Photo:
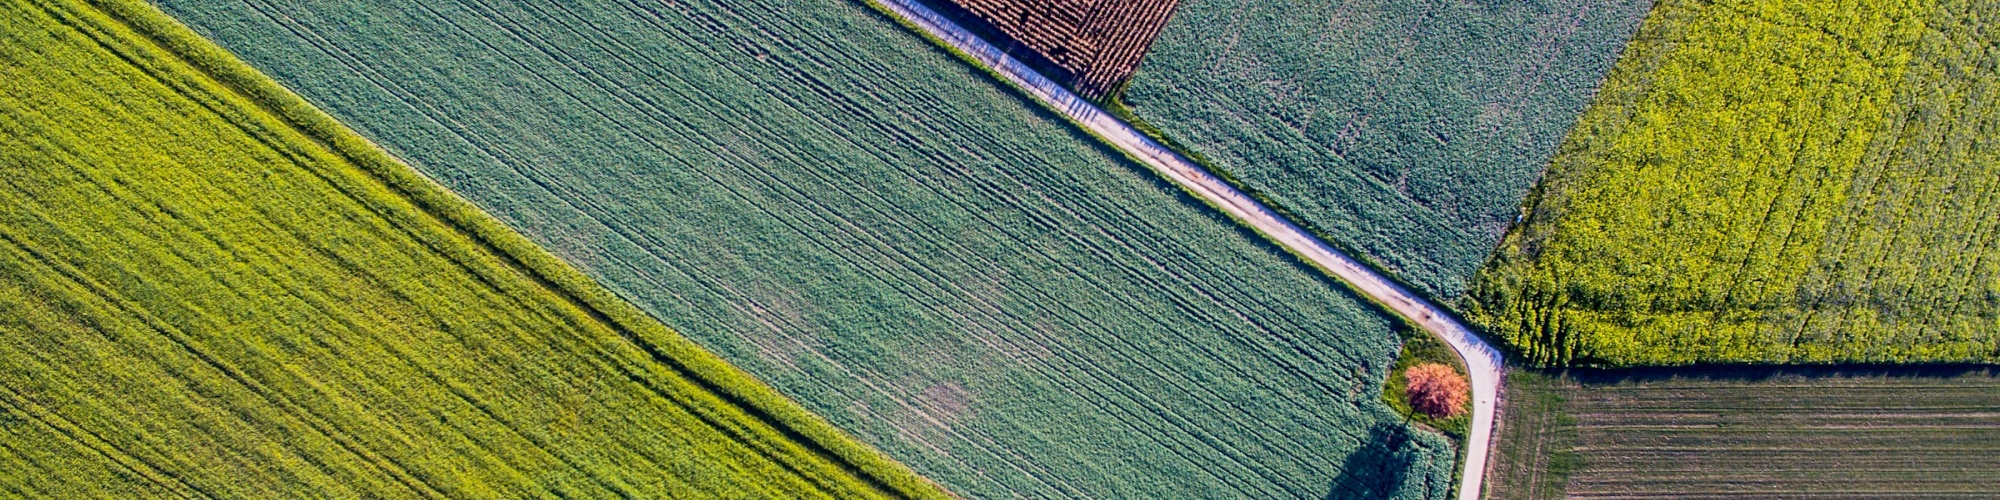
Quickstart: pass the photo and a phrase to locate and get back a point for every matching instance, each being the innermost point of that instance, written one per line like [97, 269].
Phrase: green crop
[1771, 181]
[1405, 131]
[879, 230]
[209, 289]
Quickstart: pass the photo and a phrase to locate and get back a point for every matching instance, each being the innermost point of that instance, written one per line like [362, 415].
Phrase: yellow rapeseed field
[1771, 181]
[209, 289]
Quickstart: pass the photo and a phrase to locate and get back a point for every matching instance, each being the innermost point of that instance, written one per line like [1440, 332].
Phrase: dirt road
[1481, 359]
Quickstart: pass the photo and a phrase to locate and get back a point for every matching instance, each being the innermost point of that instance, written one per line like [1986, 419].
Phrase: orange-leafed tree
[1436, 390]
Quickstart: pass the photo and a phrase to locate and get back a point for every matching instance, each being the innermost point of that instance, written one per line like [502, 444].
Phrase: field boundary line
[1482, 360]
[726, 383]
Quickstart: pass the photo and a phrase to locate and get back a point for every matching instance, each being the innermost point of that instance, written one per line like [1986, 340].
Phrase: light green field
[928, 259]
[208, 289]
[1771, 181]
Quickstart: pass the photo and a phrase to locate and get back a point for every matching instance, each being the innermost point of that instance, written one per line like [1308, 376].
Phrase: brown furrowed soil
[1751, 432]
[1090, 45]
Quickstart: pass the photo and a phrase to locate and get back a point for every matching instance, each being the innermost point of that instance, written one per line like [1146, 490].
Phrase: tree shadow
[1379, 467]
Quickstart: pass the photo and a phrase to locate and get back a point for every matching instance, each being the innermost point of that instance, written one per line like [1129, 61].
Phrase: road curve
[1481, 359]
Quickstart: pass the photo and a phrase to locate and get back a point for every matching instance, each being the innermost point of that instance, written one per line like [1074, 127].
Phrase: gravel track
[1481, 359]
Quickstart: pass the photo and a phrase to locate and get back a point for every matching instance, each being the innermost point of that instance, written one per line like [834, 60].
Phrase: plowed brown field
[1090, 45]
[1750, 433]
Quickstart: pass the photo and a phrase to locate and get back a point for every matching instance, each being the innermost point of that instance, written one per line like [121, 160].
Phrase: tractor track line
[1481, 359]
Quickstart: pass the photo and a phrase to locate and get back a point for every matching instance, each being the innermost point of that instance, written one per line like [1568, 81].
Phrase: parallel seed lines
[1772, 181]
[1404, 131]
[200, 299]
[873, 228]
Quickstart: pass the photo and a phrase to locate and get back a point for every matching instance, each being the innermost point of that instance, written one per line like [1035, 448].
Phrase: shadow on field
[1378, 468]
[1759, 373]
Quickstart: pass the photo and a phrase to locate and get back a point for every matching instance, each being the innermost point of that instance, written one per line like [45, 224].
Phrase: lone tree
[1436, 390]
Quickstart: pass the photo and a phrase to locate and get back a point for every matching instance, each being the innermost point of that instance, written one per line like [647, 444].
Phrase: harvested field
[1090, 45]
[1771, 181]
[882, 232]
[1404, 131]
[1751, 433]
[208, 289]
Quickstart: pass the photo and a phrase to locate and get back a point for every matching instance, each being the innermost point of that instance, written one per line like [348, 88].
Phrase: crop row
[208, 290]
[1771, 181]
[1750, 432]
[1404, 131]
[1914, 438]
[1094, 44]
[877, 230]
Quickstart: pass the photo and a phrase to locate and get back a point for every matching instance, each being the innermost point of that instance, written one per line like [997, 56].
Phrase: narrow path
[1481, 359]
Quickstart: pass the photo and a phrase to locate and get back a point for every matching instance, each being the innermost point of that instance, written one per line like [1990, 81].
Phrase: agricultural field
[1404, 131]
[1749, 433]
[1771, 181]
[1090, 45]
[209, 290]
[882, 232]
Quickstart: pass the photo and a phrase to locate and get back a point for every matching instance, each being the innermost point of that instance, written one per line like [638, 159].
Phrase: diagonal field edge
[1481, 359]
[721, 380]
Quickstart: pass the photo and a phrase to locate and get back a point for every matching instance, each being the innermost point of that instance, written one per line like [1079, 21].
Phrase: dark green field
[1403, 130]
[927, 259]
[1750, 433]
